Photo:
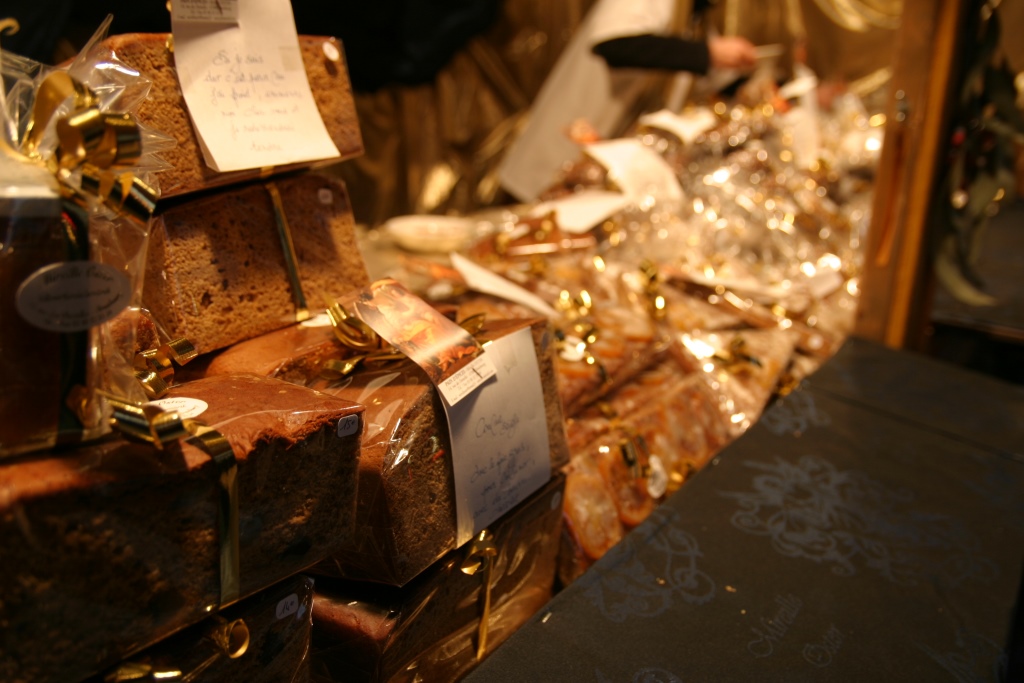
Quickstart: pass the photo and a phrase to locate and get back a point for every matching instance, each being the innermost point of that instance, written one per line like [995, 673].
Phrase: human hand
[732, 52]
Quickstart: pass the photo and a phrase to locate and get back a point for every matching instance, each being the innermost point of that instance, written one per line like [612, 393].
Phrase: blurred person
[602, 75]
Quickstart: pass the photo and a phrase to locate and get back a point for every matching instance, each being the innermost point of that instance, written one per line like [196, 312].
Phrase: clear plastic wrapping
[406, 510]
[113, 546]
[75, 200]
[429, 630]
[263, 639]
[638, 445]
[227, 267]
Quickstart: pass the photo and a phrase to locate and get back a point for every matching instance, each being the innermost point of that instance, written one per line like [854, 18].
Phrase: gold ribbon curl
[356, 335]
[92, 142]
[155, 368]
[229, 639]
[480, 558]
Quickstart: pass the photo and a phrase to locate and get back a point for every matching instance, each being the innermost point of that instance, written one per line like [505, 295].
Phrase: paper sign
[246, 88]
[578, 213]
[499, 437]
[480, 279]
[440, 347]
[639, 171]
[687, 126]
[213, 11]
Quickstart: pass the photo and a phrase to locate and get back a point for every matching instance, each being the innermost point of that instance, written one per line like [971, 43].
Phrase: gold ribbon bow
[735, 358]
[92, 142]
[656, 305]
[356, 335]
[480, 558]
[155, 368]
[151, 424]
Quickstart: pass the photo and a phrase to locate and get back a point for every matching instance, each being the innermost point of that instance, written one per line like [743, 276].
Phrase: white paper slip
[637, 170]
[580, 212]
[500, 451]
[798, 87]
[479, 279]
[213, 11]
[462, 383]
[686, 126]
[246, 88]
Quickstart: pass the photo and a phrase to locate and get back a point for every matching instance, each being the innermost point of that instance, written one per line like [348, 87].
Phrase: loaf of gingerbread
[218, 270]
[406, 516]
[165, 110]
[430, 630]
[111, 547]
[263, 639]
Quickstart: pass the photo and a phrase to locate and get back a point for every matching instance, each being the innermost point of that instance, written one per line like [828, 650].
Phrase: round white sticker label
[73, 296]
[326, 196]
[657, 478]
[556, 499]
[187, 408]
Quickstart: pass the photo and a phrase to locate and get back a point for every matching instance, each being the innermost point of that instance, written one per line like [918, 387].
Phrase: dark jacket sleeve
[655, 52]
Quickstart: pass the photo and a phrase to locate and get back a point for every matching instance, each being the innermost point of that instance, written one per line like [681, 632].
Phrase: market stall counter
[869, 527]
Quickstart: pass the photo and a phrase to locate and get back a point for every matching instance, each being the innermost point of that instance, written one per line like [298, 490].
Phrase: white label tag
[186, 407]
[289, 605]
[639, 171]
[246, 89]
[73, 296]
[210, 11]
[480, 279]
[348, 425]
[578, 213]
[687, 126]
[463, 382]
[500, 438]
[657, 478]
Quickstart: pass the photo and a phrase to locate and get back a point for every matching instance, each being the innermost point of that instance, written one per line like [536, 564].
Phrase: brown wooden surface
[896, 281]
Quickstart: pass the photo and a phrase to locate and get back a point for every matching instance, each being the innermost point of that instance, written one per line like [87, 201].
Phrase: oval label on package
[73, 296]
[186, 407]
[348, 425]
[288, 606]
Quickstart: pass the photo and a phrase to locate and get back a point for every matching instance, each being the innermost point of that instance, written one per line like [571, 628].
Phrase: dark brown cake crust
[111, 547]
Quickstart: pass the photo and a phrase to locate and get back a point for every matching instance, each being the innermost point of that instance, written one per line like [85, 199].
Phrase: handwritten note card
[500, 437]
[246, 87]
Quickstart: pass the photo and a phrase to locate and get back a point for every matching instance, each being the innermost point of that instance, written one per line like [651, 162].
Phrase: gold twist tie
[735, 358]
[656, 305]
[291, 260]
[575, 341]
[633, 448]
[480, 557]
[155, 368]
[153, 425]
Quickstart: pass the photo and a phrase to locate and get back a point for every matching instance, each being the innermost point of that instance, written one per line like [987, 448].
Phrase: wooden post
[896, 282]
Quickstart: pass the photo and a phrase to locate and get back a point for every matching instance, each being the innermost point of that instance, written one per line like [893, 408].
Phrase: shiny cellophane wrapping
[674, 423]
[428, 630]
[279, 623]
[150, 54]
[113, 546]
[217, 272]
[47, 378]
[406, 510]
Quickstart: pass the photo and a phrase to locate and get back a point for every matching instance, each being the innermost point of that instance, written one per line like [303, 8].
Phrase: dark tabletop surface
[869, 528]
